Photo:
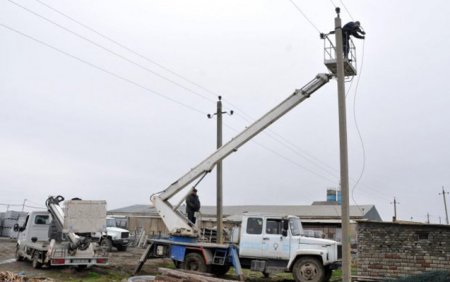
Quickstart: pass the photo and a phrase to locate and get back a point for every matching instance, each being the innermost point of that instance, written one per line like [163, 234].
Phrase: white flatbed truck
[61, 237]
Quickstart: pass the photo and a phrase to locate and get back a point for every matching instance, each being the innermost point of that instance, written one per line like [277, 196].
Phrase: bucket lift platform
[330, 57]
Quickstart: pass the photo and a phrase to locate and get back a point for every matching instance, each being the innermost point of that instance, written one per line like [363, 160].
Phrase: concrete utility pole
[394, 219]
[23, 205]
[445, 203]
[346, 236]
[219, 172]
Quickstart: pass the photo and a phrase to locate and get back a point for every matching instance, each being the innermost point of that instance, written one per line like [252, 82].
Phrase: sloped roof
[305, 212]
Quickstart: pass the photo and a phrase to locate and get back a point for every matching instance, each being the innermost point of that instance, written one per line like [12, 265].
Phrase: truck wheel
[18, 256]
[194, 261]
[220, 270]
[122, 248]
[106, 244]
[36, 263]
[308, 269]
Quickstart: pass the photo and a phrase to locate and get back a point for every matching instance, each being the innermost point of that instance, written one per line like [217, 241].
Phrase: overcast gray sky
[82, 116]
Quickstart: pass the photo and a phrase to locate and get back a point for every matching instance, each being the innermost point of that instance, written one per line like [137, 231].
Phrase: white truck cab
[115, 236]
[269, 243]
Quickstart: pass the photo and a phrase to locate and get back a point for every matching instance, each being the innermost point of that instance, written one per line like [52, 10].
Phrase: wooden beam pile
[172, 275]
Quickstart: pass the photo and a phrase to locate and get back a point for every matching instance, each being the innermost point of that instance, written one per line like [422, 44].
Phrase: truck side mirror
[16, 227]
[284, 232]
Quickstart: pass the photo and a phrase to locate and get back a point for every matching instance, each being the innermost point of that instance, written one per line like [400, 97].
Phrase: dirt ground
[120, 268]
[121, 265]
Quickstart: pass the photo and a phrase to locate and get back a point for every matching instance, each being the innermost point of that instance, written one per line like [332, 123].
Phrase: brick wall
[388, 249]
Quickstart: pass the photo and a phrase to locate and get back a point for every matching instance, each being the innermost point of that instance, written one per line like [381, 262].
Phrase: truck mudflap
[335, 265]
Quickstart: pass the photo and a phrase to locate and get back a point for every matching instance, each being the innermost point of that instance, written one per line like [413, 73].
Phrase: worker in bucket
[192, 205]
[354, 29]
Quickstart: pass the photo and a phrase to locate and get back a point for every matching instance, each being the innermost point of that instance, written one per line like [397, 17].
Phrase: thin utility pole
[346, 236]
[394, 219]
[23, 205]
[445, 203]
[219, 172]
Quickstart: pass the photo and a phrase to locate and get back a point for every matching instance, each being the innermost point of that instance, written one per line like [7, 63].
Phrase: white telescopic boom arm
[161, 201]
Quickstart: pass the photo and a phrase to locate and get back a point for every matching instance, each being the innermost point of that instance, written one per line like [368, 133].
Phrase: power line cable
[238, 110]
[128, 48]
[102, 69]
[304, 15]
[286, 158]
[146, 58]
[357, 128]
[34, 207]
[121, 45]
[112, 52]
[332, 3]
[345, 7]
[96, 44]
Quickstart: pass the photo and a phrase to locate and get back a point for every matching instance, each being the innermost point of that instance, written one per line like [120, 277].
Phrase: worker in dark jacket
[354, 29]
[192, 205]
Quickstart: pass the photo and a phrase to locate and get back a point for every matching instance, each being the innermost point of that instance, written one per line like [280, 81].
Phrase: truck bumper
[121, 242]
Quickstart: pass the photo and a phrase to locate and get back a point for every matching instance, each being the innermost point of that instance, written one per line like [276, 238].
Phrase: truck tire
[308, 269]
[194, 261]
[18, 256]
[106, 244]
[122, 248]
[328, 273]
[219, 270]
[36, 263]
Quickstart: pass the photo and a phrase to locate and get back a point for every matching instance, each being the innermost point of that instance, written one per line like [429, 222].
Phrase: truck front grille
[124, 235]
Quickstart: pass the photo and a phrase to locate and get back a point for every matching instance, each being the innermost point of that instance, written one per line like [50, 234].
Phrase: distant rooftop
[315, 211]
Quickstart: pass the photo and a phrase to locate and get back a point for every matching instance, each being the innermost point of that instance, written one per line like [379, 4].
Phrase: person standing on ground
[192, 205]
[354, 29]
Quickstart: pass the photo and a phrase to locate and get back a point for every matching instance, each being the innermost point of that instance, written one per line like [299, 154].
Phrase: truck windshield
[296, 226]
[110, 222]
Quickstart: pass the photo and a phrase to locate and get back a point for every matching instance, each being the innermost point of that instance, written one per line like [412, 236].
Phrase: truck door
[38, 227]
[251, 237]
[274, 244]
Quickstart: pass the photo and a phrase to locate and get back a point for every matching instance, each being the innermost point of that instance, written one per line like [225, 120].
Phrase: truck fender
[320, 254]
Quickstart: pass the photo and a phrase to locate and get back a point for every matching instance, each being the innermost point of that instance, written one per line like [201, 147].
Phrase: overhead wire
[286, 158]
[358, 130]
[110, 51]
[345, 8]
[102, 69]
[130, 61]
[142, 56]
[304, 15]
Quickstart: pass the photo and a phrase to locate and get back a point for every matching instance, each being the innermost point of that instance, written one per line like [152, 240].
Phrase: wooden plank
[191, 276]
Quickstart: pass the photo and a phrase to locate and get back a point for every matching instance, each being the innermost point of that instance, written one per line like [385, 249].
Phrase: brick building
[387, 249]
